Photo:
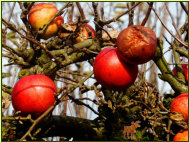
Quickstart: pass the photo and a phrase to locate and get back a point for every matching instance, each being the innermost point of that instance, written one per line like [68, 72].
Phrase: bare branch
[81, 10]
[173, 22]
[131, 14]
[147, 14]
[114, 19]
[184, 44]
[183, 6]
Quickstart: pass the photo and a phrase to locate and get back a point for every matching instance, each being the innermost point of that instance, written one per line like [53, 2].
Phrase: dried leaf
[109, 104]
[177, 116]
[4, 95]
[68, 27]
[121, 5]
[6, 104]
[114, 34]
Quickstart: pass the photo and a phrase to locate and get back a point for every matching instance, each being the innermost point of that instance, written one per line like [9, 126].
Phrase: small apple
[70, 28]
[137, 44]
[33, 94]
[185, 71]
[112, 72]
[181, 136]
[85, 32]
[180, 104]
[40, 15]
[86, 29]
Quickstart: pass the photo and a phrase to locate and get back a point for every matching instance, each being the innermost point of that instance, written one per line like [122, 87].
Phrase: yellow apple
[40, 15]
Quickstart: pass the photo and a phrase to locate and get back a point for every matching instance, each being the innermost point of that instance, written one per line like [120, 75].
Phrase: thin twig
[67, 78]
[34, 41]
[77, 85]
[102, 10]
[36, 122]
[147, 14]
[169, 128]
[185, 45]
[131, 15]
[78, 102]
[70, 13]
[65, 106]
[181, 51]
[105, 32]
[183, 6]
[114, 19]
[11, 50]
[70, 107]
[11, 12]
[173, 22]
[81, 11]
[96, 18]
[53, 106]
[24, 15]
[73, 73]
[160, 10]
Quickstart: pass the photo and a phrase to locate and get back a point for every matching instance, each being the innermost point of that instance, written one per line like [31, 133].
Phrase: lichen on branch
[166, 73]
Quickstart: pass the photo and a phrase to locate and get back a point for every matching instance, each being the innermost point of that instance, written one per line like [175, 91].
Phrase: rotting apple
[112, 72]
[180, 104]
[185, 71]
[181, 136]
[33, 94]
[69, 28]
[137, 44]
[85, 32]
[40, 15]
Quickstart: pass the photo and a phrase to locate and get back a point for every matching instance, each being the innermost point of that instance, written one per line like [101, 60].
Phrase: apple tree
[113, 96]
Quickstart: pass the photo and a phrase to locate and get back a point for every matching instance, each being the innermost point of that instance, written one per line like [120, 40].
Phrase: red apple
[181, 136]
[40, 15]
[137, 44]
[185, 71]
[33, 94]
[180, 104]
[112, 72]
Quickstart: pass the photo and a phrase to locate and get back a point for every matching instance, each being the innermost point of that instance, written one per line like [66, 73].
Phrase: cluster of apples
[114, 68]
[42, 13]
[34, 94]
[117, 68]
[180, 104]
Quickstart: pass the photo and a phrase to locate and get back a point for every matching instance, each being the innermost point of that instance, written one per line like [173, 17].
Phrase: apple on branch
[85, 32]
[180, 104]
[181, 136]
[112, 72]
[137, 44]
[185, 71]
[33, 94]
[40, 15]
